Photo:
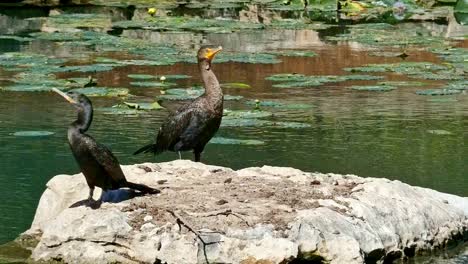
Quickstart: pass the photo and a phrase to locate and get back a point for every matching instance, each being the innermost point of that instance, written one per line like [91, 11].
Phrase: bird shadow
[111, 196]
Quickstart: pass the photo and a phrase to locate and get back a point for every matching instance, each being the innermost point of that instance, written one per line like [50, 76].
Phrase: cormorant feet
[88, 202]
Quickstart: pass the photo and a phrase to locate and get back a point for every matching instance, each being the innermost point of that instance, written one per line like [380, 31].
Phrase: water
[369, 134]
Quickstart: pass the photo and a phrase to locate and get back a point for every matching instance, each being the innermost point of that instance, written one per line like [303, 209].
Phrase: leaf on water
[232, 114]
[143, 106]
[33, 133]
[102, 91]
[228, 97]
[438, 92]
[248, 122]
[235, 85]
[279, 104]
[439, 132]
[373, 88]
[153, 84]
[402, 83]
[141, 76]
[458, 85]
[118, 111]
[442, 100]
[233, 141]
[284, 77]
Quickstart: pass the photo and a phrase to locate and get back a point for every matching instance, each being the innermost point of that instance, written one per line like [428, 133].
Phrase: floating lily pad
[246, 114]
[102, 91]
[442, 100]
[153, 84]
[242, 122]
[182, 94]
[141, 76]
[144, 106]
[228, 97]
[235, 85]
[373, 88]
[66, 21]
[33, 133]
[284, 77]
[438, 92]
[458, 85]
[439, 132]
[257, 58]
[402, 83]
[279, 104]
[118, 111]
[233, 141]
[30, 88]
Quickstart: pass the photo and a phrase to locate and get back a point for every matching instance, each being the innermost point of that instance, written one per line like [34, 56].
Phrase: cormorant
[195, 123]
[97, 163]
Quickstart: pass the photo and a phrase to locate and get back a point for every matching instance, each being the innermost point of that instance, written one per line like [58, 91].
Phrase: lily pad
[402, 83]
[284, 77]
[118, 111]
[246, 114]
[439, 132]
[153, 84]
[228, 97]
[102, 91]
[141, 76]
[373, 88]
[235, 85]
[33, 133]
[458, 85]
[233, 141]
[249, 122]
[144, 106]
[279, 104]
[438, 92]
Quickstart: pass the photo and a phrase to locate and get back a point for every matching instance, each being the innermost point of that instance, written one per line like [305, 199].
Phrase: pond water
[397, 134]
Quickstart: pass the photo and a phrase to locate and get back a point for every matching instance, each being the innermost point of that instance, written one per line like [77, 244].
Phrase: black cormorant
[97, 163]
[195, 123]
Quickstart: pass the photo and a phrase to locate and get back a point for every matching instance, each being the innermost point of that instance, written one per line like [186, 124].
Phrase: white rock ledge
[280, 215]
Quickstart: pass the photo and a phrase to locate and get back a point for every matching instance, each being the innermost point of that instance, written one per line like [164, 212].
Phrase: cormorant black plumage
[97, 163]
[195, 123]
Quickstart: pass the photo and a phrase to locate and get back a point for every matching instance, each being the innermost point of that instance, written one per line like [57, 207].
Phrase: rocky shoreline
[253, 215]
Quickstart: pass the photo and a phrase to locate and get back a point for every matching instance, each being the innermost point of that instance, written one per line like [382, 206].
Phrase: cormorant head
[80, 101]
[207, 53]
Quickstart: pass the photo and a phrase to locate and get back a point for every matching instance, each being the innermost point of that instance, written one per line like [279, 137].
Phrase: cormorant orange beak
[64, 95]
[210, 53]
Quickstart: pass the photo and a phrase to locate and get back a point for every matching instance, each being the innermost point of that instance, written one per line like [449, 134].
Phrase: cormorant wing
[175, 128]
[107, 160]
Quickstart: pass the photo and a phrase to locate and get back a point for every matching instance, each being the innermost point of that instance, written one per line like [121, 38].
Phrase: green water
[370, 134]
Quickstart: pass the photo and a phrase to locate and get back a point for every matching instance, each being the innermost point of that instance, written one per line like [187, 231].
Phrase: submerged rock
[254, 215]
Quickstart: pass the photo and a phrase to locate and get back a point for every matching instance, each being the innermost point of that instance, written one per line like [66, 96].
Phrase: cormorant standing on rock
[97, 163]
[195, 123]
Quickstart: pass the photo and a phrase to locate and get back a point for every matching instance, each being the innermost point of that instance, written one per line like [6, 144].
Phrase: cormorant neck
[212, 88]
[85, 117]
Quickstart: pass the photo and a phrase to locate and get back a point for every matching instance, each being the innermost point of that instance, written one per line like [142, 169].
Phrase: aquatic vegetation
[152, 84]
[17, 38]
[438, 92]
[303, 81]
[381, 34]
[249, 122]
[258, 58]
[402, 83]
[296, 24]
[190, 93]
[373, 88]
[235, 85]
[458, 85]
[423, 70]
[233, 141]
[32, 133]
[439, 132]
[119, 111]
[65, 21]
[140, 106]
[141, 76]
[234, 114]
[186, 23]
[102, 91]
[279, 104]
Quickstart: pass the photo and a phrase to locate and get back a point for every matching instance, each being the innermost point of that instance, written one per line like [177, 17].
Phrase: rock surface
[253, 215]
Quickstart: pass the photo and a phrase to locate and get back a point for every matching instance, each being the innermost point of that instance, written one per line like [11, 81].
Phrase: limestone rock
[268, 215]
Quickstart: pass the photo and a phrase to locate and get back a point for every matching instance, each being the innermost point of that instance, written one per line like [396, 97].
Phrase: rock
[254, 215]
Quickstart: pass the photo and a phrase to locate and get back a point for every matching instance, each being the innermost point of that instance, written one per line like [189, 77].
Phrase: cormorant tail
[142, 188]
[148, 148]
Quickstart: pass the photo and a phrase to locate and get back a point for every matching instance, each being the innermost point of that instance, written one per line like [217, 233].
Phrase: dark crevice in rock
[103, 243]
[374, 256]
